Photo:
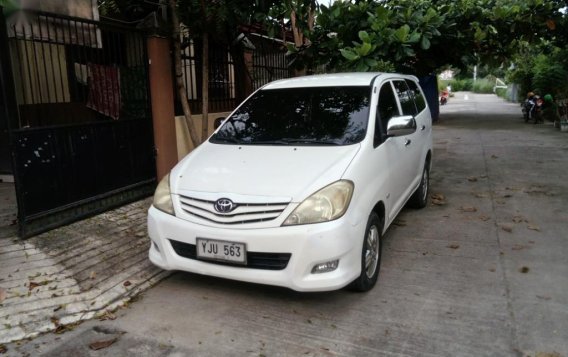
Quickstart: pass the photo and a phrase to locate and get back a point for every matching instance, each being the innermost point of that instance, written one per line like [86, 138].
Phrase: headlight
[327, 204]
[162, 196]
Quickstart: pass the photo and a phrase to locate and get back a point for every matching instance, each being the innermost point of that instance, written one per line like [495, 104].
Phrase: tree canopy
[409, 36]
[420, 36]
[413, 36]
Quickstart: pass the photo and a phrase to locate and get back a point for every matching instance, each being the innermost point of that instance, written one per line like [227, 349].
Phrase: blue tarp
[429, 86]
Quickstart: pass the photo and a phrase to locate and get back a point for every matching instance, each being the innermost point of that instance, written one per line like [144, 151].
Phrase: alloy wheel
[424, 184]
[372, 251]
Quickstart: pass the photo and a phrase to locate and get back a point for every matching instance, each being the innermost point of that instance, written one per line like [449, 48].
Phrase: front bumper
[308, 245]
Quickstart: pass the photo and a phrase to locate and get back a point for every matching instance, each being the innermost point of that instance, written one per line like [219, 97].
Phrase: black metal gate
[83, 139]
[7, 101]
[269, 61]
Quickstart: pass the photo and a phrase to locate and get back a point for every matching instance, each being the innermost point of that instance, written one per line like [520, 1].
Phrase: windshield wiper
[311, 141]
[268, 142]
[225, 140]
[284, 141]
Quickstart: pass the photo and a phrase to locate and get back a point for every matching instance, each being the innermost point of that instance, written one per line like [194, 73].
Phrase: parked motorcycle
[444, 97]
[532, 108]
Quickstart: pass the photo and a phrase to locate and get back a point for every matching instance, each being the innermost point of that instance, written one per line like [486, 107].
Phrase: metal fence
[269, 60]
[269, 63]
[83, 139]
[69, 70]
[222, 88]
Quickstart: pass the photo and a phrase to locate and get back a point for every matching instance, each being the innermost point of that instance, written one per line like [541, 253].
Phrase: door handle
[423, 127]
[407, 142]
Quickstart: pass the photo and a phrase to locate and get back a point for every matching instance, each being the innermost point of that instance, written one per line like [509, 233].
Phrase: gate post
[162, 99]
[8, 106]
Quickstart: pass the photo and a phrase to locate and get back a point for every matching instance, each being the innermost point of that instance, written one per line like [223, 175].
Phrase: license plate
[221, 250]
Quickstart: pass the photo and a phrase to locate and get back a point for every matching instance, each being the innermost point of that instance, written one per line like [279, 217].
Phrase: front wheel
[420, 197]
[370, 255]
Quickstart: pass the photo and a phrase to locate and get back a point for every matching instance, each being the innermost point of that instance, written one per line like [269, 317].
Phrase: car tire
[419, 198]
[370, 255]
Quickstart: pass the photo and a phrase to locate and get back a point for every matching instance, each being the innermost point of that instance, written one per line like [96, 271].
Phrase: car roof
[325, 80]
[332, 80]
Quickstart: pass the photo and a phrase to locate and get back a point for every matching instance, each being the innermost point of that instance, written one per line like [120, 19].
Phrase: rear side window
[405, 97]
[418, 97]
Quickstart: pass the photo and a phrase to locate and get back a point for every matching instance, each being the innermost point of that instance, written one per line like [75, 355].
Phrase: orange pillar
[162, 99]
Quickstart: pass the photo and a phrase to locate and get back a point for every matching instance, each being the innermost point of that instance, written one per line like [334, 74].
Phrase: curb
[74, 273]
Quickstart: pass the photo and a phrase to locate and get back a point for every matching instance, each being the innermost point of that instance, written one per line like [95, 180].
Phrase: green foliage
[462, 84]
[502, 93]
[420, 36]
[5, 3]
[458, 85]
[126, 10]
[542, 69]
[409, 36]
[483, 86]
[220, 18]
[370, 36]
[296, 17]
[550, 76]
[10, 6]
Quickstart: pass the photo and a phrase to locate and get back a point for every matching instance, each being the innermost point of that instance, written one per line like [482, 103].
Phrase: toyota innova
[298, 185]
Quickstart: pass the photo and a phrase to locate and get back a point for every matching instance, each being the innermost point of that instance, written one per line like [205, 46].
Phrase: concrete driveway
[482, 271]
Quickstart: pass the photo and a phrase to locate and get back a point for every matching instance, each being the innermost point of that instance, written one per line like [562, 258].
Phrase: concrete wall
[86, 9]
[182, 134]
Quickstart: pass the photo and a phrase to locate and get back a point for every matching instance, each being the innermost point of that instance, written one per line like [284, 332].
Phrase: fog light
[325, 267]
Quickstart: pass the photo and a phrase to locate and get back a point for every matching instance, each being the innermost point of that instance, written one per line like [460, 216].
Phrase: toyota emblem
[224, 205]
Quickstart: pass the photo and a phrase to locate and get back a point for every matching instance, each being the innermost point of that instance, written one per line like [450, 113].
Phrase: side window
[405, 97]
[418, 97]
[386, 109]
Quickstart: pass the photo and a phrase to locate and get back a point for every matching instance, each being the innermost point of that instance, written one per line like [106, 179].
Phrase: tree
[179, 76]
[372, 36]
[220, 20]
[133, 11]
[541, 68]
[206, 19]
[302, 17]
[421, 36]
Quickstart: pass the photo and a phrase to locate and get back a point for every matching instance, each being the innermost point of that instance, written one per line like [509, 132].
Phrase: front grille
[255, 260]
[244, 213]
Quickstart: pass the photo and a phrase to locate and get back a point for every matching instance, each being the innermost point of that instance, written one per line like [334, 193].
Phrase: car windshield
[299, 116]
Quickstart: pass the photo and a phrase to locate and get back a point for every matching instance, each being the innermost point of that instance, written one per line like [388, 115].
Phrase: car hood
[288, 173]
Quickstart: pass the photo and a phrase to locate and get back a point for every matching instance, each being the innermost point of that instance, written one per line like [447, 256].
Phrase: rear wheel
[420, 197]
[370, 255]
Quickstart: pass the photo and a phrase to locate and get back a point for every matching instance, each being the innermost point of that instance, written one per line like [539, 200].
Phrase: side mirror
[400, 126]
[217, 123]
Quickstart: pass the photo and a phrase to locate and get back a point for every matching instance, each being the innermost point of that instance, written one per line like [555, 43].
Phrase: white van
[298, 184]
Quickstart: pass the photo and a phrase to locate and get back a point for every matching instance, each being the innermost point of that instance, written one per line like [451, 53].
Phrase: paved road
[482, 272]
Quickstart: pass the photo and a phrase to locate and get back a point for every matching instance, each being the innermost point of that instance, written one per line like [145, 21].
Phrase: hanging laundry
[104, 90]
[81, 73]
